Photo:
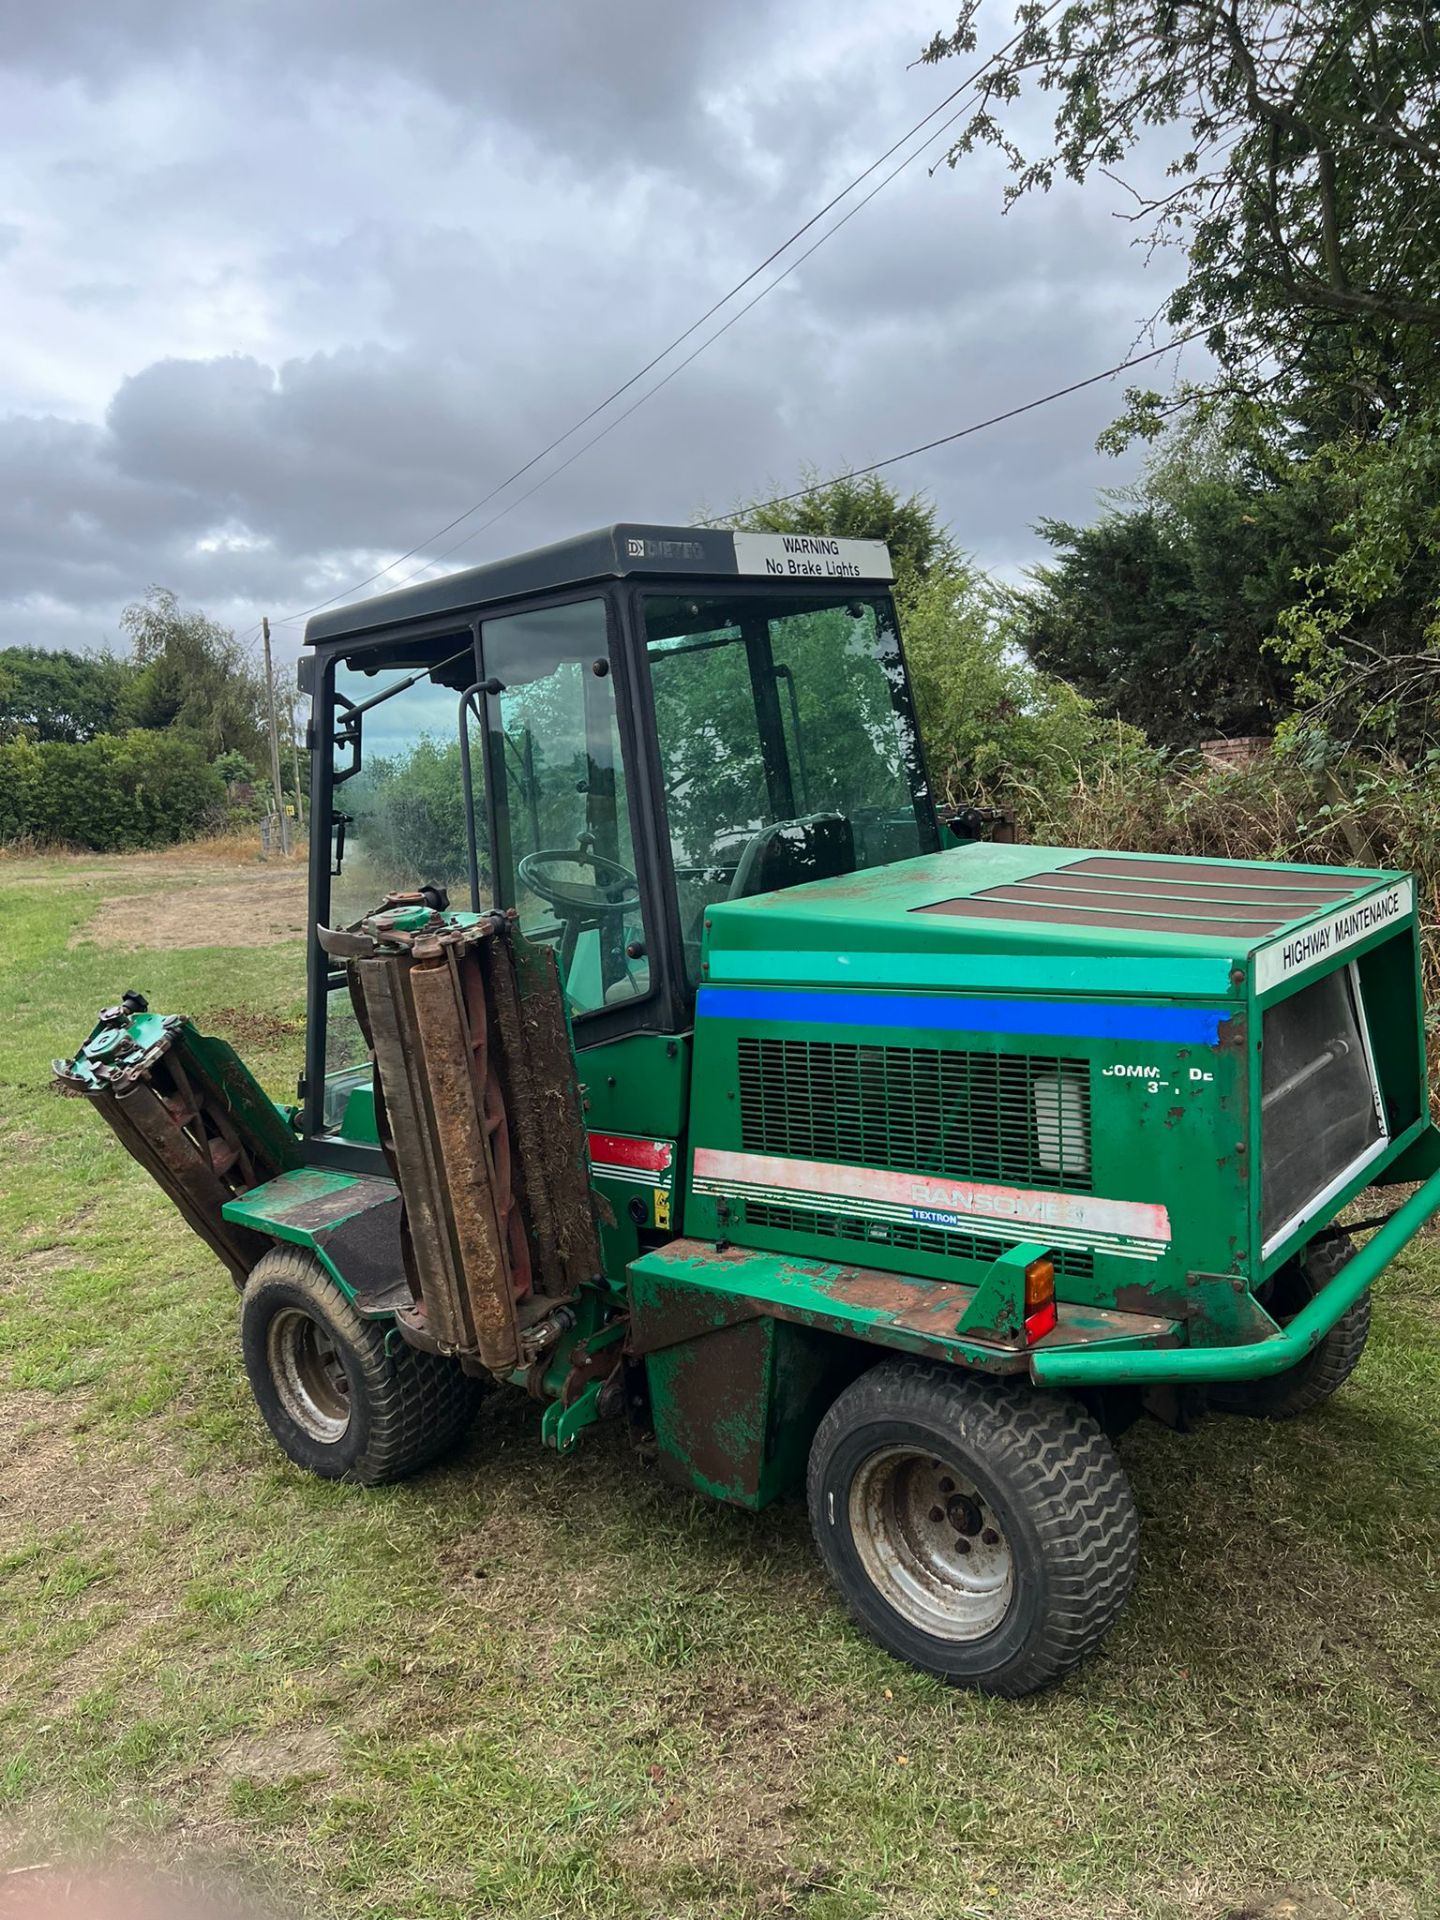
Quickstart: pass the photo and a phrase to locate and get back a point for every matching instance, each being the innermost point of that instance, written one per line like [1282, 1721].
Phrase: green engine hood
[1056, 919]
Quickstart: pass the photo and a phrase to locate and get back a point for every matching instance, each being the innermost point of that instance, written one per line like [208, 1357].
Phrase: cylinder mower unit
[190, 1112]
[477, 1112]
[488, 1214]
[851, 1152]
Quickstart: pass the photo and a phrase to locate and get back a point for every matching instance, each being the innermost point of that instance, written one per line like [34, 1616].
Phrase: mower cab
[712, 1082]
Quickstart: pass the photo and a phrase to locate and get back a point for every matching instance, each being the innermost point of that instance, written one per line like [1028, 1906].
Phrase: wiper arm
[353, 713]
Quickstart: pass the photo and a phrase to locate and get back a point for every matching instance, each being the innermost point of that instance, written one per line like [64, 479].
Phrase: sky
[284, 289]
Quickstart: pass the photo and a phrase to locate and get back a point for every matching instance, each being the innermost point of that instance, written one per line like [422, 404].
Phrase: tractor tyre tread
[1060, 1474]
[409, 1408]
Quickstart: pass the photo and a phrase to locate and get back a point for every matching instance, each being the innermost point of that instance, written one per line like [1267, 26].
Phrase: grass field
[530, 1687]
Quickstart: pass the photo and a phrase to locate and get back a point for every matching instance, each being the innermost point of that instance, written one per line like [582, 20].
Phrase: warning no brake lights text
[806, 557]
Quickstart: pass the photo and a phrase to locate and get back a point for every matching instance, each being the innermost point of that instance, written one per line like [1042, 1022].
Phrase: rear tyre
[343, 1395]
[1327, 1367]
[977, 1529]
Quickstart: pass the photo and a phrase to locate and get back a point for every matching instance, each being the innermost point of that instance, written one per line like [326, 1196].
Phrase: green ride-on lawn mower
[830, 1144]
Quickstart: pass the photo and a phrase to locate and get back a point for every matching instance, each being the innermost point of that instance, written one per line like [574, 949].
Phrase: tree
[1161, 615]
[1224, 590]
[988, 719]
[234, 769]
[191, 672]
[1363, 635]
[840, 716]
[61, 695]
[409, 813]
[991, 721]
[1303, 147]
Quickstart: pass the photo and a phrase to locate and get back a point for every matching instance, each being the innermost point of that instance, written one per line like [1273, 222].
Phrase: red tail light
[1041, 1316]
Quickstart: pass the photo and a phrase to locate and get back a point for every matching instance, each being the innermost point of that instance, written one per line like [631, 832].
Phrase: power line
[977, 426]
[680, 338]
[857, 473]
[710, 339]
[690, 358]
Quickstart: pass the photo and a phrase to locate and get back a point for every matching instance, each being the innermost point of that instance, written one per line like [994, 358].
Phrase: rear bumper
[1286, 1347]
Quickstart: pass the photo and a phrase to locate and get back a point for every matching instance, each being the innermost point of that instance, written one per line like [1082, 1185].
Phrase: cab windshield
[787, 744]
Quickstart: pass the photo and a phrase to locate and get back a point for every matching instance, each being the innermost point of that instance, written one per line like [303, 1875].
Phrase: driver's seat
[818, 846]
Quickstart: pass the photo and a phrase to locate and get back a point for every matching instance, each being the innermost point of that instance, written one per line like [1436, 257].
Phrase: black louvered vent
[1020, 1118]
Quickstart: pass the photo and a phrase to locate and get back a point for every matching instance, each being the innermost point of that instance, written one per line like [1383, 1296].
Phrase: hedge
[111, 794]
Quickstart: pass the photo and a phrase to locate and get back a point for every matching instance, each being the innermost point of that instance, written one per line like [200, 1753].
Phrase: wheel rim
[931, 1544]
[309, 1374]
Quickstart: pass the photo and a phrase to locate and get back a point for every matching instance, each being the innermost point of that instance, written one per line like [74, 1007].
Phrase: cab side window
[562, 819]
[400, 792]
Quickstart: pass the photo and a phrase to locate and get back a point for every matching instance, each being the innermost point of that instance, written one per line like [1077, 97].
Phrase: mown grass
[535, 1687]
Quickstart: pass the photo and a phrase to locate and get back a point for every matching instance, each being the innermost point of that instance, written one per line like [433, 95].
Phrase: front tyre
[977, 1529]
[343, 1395]
[1328, 1365]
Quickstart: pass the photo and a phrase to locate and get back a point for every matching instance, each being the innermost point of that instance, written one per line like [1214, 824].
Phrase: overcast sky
[286, 287]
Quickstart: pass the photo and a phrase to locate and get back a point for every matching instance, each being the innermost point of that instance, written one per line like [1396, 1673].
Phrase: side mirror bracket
[347, 739]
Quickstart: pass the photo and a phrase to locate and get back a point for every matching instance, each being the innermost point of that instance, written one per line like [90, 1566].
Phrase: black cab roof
[612, 553]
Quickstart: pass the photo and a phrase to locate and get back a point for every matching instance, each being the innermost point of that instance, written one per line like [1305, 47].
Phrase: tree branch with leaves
[1298, 145]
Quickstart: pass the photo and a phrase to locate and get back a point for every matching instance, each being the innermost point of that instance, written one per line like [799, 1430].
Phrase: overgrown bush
[1362, 812]
[112, 794]
[409, 814]
[61, 695]
[989, 719]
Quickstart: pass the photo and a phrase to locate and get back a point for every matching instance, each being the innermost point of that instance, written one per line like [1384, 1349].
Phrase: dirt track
[198, 907]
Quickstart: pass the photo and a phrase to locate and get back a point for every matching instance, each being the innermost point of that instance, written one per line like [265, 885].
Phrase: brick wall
[1243, 752]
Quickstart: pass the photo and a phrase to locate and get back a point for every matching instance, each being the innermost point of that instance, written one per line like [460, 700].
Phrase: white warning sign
[811, 556]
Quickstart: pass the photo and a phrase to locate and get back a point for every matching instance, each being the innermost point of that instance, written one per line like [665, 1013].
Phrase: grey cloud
[613, 83]
[98, 296]
[330, 348]
[369, 450]
[944, 249]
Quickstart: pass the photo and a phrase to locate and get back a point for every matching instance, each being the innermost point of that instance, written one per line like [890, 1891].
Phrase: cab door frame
[323, 1148]
[663, 1009]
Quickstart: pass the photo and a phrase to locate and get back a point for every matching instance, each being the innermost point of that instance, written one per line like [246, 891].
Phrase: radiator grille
[1012, 1117]
[1078, 1262]
[1321, 1112]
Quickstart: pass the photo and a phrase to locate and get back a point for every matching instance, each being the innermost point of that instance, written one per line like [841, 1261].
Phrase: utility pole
[295, 758]
[274, 739]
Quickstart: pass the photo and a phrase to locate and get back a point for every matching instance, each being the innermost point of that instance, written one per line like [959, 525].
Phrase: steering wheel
[614, 889]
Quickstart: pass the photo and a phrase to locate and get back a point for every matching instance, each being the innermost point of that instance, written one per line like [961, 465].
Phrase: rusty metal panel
[524, 1116]
[542, 1097]
[1253, 917]
[351, 1220]
[689, 1288]
[1179, 886]
[410, 1149]
[711, 1398]
[735, 1408]
[1243, 902]
[983, 907]
[457, 1121]
[1222, 872]
[150, 1132]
